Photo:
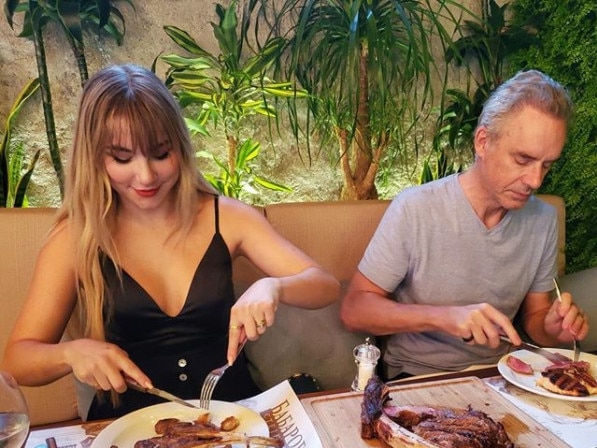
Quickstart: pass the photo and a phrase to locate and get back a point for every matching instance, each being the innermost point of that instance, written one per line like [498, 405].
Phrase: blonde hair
[134, 96]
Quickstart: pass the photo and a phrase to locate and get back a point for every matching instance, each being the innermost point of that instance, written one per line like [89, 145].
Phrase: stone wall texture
[143, 42]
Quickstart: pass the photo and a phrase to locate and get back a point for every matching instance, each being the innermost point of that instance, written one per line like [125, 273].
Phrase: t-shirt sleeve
[385, 261]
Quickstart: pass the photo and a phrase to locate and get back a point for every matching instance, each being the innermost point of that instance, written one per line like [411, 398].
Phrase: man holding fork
[454, 261]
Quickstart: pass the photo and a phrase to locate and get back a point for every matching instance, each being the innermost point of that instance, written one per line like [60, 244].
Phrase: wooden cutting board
[338, 422]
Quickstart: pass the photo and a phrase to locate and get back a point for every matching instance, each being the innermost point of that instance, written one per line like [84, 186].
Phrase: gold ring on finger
[235, 327]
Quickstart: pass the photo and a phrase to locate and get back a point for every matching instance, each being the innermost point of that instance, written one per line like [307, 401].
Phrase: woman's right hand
[102, 365]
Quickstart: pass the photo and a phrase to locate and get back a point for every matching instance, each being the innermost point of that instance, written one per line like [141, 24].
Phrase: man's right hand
[480, 324]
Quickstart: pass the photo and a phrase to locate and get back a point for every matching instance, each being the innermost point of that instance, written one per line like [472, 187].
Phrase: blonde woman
[140, 261]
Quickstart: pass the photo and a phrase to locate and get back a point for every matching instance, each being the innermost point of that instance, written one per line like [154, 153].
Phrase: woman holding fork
[139, 262]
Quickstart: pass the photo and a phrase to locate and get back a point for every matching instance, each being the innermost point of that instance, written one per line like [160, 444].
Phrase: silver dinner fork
[575, 343]
[212, 379]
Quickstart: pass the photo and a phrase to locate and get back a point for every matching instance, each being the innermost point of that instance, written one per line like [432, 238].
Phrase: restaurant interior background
[549, 38]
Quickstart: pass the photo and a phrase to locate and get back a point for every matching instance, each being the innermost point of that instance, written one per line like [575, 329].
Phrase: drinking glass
[14, 414]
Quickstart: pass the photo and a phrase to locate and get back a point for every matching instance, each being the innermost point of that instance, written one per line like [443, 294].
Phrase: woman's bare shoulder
[233, 206]
[240, 223]
[60, 237]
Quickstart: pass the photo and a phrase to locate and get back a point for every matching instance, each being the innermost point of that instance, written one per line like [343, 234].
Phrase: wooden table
[530, 420]
[336, 414]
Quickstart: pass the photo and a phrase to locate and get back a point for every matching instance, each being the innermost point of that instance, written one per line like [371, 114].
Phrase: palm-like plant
[485, 50]
[227, 89]
[370, 67]
[490, 43]
[14, 176]
[72, 16]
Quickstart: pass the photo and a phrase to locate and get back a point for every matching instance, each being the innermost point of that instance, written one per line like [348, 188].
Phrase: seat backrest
[335, 234]
[560, 206]
[313, 226]
[21, 235]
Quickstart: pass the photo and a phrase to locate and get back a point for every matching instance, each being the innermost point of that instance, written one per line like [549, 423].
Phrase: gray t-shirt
[431, 248]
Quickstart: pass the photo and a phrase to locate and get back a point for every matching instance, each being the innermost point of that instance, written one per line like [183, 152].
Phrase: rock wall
[143, 42]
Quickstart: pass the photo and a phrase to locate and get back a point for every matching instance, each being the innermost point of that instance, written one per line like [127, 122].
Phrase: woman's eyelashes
[122, 155]
[162, 155]
[160, 151]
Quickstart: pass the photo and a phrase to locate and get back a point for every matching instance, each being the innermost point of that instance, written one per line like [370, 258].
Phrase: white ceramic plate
[539, 363]
[137, 425]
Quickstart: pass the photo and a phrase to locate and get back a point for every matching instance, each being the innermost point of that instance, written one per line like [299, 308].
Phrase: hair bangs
[139, 125]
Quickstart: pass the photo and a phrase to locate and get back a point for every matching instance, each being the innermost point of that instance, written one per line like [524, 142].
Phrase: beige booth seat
[21, 234]
[334, 233]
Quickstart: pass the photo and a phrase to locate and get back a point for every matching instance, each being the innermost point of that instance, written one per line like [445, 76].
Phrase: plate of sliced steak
[169, 425]
[574, 381]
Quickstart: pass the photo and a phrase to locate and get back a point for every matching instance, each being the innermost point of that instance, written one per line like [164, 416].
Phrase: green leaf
[22, 185]
[9, 170]
[184, 40]
[68, 11]
[181, 62]
[103, 12]
[204, 154]
[285, 92]
[247, 151]
[196, 127]
[427, 173]
[190, 78]
[10, 7]
[272, 185]
[225, 34]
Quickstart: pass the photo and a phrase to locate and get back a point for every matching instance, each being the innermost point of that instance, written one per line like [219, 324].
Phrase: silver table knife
[556, 358]
[160, 393]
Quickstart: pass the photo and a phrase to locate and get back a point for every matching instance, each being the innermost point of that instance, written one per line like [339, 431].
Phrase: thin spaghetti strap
[217, 213]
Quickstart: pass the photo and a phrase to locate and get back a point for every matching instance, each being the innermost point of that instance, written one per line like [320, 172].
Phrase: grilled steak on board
[426, 427]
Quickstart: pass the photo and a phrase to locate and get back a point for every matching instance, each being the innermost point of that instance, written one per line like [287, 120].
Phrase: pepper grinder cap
[366, 352]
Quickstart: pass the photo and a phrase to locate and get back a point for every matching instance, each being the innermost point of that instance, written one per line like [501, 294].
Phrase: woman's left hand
[253, 313]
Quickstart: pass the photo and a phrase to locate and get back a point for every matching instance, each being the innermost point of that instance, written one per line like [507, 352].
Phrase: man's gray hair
[526, 88]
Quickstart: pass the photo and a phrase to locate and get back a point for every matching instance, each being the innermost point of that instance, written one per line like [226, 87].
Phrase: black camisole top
[176, 353]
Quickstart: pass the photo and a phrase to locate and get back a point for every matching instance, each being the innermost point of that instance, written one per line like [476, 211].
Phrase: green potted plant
[71, 16]
[14, 174]
[370, 68]
[226, 90]
[484, 51]
[568, 54]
